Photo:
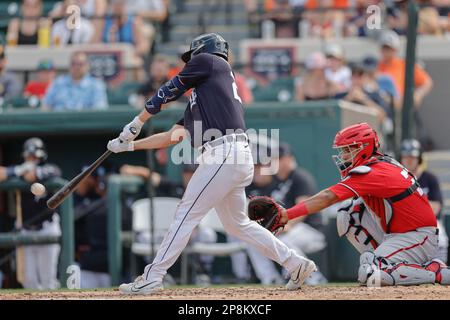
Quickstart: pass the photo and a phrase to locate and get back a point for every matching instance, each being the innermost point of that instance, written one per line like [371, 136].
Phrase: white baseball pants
[219, 182]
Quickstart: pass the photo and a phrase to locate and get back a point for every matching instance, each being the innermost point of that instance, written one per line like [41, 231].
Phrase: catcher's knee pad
[367, 266]
[409, 274]
[370, 264]
[348, 222]
[441, 271]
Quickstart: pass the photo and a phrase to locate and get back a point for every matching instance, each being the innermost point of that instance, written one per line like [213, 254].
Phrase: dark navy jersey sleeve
[430, 185]
[197, 70]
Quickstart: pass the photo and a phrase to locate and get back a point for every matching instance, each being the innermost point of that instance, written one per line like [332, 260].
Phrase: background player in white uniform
[226, 164]
[40, 261]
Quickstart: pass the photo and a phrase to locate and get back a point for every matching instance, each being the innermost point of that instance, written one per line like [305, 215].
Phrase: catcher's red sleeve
[298, 210]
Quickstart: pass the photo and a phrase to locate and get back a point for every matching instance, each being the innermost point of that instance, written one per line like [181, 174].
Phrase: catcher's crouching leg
[358, 227]
[375, 272]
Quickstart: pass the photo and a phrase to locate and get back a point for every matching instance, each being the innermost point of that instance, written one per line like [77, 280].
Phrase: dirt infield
[424, 292]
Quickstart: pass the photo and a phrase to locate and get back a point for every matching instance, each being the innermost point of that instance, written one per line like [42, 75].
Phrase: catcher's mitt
[267, 212]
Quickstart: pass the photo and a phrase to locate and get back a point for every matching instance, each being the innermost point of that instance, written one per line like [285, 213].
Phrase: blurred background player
[41, 261]
[90, 230]
[412, 159]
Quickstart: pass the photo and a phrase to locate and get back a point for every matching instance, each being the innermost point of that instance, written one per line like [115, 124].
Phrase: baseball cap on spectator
[284, 150]
[357, 69]
[45, 64]
[316, 60]
[370, 63]
[390, 39]
[334, 50]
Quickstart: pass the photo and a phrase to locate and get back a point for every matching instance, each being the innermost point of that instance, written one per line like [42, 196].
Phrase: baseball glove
[267, 212]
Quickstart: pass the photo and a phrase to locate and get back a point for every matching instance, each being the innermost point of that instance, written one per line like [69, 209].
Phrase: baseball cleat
[140, 286]
[300, 274]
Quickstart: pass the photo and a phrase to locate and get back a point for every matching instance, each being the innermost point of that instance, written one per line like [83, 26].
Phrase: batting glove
[131, 130]
[117, 145]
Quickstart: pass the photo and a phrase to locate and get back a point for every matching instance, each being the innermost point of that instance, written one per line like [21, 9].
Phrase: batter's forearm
[161, 140]
[144, 116]
[156, 141]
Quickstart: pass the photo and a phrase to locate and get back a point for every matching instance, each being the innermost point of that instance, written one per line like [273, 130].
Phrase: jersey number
[235, 92]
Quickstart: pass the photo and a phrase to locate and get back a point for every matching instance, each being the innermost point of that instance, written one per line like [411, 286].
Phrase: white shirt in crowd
[62, 34]
[342, 77]
[137, 6]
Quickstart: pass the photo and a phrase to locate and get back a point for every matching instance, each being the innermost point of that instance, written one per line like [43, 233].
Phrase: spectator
[394, 66]
[384, 82]
[337, 72]
[157, 76]
[40, 261]
[25, 30]
[10, 86]
[443, 7]
[152, 11]
[357, 21]
[314, 85]
[77, 90]
[324, 19]
[94, 10]
[122, 27]
[359, 94]
[412, 159]
[282, 14]
[243, 90]
[65, 34]
[397, 16]
[429, 22]
[45, 75]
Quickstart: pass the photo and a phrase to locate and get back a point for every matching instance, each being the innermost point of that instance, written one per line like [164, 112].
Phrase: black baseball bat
[66, 190]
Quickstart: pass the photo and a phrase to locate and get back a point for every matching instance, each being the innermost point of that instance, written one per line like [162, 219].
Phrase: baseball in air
[37, 189]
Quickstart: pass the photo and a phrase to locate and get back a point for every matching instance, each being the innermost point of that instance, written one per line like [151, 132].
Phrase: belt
[240, 137]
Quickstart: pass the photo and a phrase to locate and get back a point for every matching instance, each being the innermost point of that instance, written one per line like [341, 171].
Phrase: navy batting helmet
[412, 148]
[35, 147]
[207, 43]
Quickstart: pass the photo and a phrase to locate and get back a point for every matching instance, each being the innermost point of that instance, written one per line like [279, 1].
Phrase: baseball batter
[226, 164]
[391, 222]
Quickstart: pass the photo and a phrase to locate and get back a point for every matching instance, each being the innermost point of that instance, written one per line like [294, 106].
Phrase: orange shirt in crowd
[396, 69]
[337, 4]
[243, 90]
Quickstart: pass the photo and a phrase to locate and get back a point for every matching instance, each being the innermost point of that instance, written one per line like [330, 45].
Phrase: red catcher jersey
[384, 181]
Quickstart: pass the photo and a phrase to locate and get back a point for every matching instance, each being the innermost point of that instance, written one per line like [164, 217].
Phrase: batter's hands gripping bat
[66, 190]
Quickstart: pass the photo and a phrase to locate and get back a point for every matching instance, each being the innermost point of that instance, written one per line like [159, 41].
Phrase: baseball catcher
[387, 217]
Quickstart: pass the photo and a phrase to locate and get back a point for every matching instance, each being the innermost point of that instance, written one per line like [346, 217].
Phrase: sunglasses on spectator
[77, 63]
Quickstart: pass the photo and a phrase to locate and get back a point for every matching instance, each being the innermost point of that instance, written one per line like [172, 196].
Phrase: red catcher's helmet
[355, 145]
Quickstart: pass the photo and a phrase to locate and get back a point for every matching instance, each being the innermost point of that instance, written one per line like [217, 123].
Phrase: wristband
[298, 210]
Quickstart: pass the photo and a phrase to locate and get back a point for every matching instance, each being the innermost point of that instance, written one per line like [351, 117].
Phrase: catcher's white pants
[219, 182]
[393, 253]
[41, 261]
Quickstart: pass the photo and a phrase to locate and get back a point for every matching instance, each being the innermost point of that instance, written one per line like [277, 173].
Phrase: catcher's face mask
[346, 157]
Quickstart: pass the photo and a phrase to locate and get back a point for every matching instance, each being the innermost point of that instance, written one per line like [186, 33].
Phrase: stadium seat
[211, 220]
[120, 95]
